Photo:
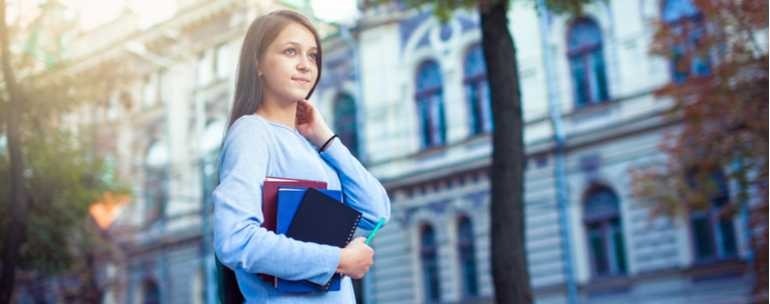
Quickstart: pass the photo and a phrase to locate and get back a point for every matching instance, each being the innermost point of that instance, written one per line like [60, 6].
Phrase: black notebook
[321, 219]
[324, 220]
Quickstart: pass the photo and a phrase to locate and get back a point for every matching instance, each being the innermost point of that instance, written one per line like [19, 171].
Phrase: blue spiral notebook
[318, 216]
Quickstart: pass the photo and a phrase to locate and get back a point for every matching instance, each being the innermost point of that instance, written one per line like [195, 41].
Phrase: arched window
[155, 182]
[713, 232]
[224, 61]
[467, 253]
[359, 289]
[150, 91]
[210, 145]
[430, 104]
[3, 143]
[205, 73]
[477, 91]
[345, 121]
[212, 137]
[686, 24]
[429, 259]
[604, 231]
[586, 61]
[150, 292]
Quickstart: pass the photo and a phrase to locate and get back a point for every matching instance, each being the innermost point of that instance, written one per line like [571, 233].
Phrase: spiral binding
[353, 229]
[350, 237]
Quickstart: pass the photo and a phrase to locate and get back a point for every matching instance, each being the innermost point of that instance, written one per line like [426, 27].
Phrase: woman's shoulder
[248, 128]
[250, 124]
[246, 145]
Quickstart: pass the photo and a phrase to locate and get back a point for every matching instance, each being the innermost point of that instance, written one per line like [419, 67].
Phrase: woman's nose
[302, 65]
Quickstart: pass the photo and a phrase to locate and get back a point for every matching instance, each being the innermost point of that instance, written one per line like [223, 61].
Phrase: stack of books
[304, 210]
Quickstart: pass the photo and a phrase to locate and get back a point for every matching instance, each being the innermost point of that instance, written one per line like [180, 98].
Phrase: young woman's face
[288, 66]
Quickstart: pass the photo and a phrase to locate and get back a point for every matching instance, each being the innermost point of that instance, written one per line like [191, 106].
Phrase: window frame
[714, 218]
[348, 135]
[469, 289]
[480, 108]
[592, 58]
[609, 224]
[155, 186]
[695, 27]
[433, 96]
[429, 264]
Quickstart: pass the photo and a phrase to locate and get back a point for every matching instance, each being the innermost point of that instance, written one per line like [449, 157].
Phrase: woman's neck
[280, 112]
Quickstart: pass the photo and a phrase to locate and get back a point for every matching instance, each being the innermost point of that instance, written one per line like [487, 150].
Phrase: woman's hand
[356, 258]
[311, 125]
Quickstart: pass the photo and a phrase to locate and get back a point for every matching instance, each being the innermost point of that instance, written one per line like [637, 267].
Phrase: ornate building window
[150, 292]
[604, 231]
[713, 233]
[224, 61]
[477, 91]
[155, 182]
[210, 145]
[205, 68]
[430, 104]
[429, 261]
[345, 122]
[467, 254]
[151, 90]
[586, 61]
[687, 26]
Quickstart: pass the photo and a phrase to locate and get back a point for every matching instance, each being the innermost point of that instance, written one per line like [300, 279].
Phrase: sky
[97, 12]
[343, 11]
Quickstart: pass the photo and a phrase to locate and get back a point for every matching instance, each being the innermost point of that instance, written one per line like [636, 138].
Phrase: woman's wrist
[322, 137]
[343, 259]
[326, 143]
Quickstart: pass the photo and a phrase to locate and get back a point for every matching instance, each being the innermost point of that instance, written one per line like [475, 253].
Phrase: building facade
[162, 126]
[424, 130]
[409, 96]
[168, 146]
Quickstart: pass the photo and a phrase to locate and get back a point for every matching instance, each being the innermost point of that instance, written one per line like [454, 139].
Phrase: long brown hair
[262, 32]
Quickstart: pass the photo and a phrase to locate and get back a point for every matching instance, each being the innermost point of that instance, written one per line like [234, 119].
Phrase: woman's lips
[301, 80]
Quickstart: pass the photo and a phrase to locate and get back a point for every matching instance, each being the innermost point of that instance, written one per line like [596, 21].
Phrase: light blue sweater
[253, 149]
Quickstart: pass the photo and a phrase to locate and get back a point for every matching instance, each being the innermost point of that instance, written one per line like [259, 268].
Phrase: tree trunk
[17, 208]
[90, 291]
[758, 241]
[509, 260]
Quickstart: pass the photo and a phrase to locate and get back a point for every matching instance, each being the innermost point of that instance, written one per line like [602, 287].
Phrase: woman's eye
[314, 56]
[290, 51]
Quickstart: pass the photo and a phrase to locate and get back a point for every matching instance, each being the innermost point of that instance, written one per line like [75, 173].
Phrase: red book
[270, 195]
[270, 198]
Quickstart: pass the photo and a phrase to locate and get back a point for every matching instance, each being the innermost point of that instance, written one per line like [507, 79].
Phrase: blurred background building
[425, 125]
[408, 95]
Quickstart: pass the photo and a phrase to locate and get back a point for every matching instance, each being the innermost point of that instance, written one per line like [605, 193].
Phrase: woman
[275, 131]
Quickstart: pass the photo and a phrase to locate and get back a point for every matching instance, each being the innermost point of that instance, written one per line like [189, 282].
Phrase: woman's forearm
[361, 189]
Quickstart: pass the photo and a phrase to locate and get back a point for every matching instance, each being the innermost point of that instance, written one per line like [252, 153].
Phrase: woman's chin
[299, 94]
[294, 96]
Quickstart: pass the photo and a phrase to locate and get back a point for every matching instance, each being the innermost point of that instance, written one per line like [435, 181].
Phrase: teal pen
[374, 231]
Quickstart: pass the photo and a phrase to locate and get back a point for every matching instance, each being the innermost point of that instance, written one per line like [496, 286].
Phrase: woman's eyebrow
[299, 44]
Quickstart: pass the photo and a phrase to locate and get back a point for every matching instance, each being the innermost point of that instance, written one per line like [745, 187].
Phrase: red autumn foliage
[719, 98]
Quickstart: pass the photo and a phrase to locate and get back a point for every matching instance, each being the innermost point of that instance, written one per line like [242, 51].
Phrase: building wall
[604, 143]
[180, 92]
[180, 101]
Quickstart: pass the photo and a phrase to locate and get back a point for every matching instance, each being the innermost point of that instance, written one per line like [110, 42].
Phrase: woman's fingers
[304, 112]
